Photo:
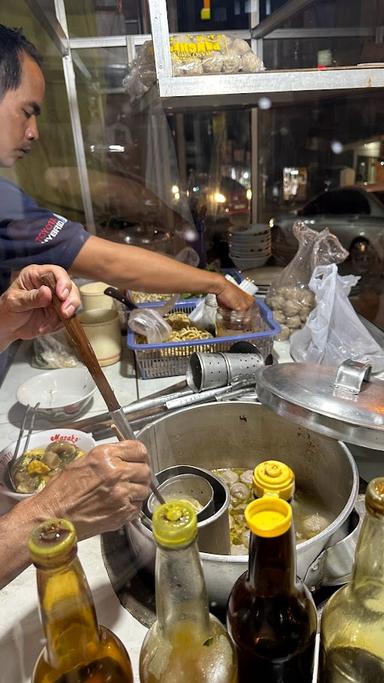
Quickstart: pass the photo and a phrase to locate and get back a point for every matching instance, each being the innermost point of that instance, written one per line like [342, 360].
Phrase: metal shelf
[246, 89]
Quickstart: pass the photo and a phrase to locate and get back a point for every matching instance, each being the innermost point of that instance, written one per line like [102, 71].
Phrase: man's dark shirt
[30, 234]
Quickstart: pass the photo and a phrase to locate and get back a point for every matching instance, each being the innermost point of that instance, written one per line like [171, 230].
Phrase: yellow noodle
[143, 297]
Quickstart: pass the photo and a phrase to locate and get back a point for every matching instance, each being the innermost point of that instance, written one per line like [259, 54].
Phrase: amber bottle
[78, 649]
[271, 616]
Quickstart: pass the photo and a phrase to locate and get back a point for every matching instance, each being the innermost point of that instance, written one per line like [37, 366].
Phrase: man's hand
[25, 308]
[100, 491]
[231, 296]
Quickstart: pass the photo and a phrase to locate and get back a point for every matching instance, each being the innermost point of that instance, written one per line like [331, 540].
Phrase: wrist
[31, 513]
[217, 283]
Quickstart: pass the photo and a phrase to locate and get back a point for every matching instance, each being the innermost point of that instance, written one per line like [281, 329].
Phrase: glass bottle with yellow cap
[78, 649]
[352, 624]
[271, 616]
[186, 644]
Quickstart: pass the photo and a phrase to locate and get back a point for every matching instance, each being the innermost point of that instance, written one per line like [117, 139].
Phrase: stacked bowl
[250, 246]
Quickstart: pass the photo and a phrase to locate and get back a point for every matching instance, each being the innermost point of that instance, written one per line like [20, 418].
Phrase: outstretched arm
[129, 267]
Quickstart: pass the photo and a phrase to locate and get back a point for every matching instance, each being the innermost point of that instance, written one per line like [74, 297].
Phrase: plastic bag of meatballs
[289, 297]
[192, 55]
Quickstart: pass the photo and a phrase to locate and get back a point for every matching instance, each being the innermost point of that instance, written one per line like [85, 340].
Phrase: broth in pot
[309, 515]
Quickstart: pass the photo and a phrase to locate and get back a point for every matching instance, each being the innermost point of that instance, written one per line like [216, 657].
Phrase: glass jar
[234, 323]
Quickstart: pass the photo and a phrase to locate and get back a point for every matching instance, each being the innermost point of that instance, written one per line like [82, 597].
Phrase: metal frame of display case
[247, 88]
[208, 90]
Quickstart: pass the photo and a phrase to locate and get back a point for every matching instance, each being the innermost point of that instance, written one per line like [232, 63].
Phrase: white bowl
[62, 393]
[82, 440]
[244, 263]
[250, 230]
[250, 252]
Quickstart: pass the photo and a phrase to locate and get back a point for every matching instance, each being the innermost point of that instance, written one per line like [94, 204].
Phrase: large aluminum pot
[239, 434]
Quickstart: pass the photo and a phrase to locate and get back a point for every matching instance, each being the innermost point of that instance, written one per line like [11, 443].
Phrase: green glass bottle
[186, 644]
[352, 624]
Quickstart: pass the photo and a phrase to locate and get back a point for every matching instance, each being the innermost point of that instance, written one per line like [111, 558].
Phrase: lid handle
[351, 374]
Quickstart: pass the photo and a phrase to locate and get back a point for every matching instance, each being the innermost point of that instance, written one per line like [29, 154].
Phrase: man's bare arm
[129, 267]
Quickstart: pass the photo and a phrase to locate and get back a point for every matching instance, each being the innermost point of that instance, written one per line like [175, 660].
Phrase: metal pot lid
[343, 403]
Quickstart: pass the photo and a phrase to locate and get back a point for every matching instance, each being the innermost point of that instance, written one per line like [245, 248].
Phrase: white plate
[252, 229]
[251, 251]
[250, 263]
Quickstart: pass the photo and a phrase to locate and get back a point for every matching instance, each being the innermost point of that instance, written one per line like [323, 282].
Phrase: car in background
[355, 214]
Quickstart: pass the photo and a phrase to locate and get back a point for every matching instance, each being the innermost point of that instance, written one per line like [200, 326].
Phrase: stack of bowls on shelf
[251, 246]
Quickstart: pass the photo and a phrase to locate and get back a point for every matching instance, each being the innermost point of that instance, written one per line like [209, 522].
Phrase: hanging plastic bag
[333, 332]
[289, 297]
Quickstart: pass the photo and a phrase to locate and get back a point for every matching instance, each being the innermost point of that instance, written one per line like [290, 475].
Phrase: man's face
[18, 113]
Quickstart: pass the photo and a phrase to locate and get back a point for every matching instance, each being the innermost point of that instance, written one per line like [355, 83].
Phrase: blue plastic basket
[171, 358]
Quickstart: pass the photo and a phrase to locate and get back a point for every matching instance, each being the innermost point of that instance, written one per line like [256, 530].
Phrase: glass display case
[125, 142]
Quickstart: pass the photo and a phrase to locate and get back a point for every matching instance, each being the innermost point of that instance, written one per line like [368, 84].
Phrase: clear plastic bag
[204, 314]
[212, 53]
[289, 297]
[333, 332]
[53, 351]
[149, 322]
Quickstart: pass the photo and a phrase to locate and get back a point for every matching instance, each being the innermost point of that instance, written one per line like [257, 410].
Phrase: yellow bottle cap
[374, 496]
[268, 516]
[273, 476]
[205, 13]
[174, 523]
[52, 542]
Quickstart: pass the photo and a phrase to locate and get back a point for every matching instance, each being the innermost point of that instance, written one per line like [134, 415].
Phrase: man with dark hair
[13, 44]
[29, 233]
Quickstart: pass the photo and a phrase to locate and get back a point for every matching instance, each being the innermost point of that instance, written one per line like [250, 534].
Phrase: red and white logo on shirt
[51, 229]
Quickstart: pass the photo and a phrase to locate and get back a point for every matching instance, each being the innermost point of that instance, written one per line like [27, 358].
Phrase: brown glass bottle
[78, 649]
[271, 616]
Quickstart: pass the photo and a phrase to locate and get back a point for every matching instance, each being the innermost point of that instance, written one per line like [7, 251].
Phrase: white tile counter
[20, 630]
